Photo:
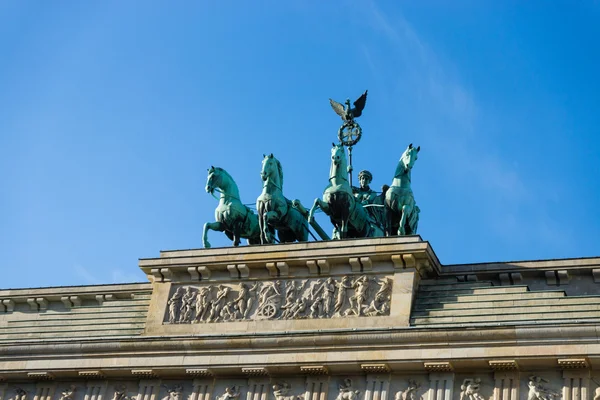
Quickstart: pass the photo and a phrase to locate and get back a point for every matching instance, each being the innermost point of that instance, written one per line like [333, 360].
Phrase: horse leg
[270, 218]
[406, 210]
[236, 234]
[311, 213]
[213, 226]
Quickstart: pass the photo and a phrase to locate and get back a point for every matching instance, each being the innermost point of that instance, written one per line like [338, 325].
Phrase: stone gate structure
[364, 319]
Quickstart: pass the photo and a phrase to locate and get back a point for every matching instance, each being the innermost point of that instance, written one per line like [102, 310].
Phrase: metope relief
[230, 393]
[538, 389]
[410, 393]
[469, 390]
[347, 296]
[281, 391]
[347, 391]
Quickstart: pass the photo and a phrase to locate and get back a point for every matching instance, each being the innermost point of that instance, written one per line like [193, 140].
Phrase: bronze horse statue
[348, 216]
[401, 209]
[275, 211]
[232, 217]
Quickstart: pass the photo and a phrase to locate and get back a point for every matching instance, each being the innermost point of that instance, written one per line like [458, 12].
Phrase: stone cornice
[332, 340]
[282, 259]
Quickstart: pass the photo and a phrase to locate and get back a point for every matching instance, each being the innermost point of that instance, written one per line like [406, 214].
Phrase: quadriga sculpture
[275, 211]
[348, 216]
[401, 209]
[232, 217]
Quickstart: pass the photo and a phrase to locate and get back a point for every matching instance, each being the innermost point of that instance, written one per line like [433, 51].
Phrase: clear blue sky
[111, 112]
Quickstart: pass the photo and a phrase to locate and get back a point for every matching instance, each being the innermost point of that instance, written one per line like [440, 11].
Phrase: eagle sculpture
[348, 114]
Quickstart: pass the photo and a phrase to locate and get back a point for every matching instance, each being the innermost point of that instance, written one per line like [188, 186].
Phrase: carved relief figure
[241, 300]
[120, 393]
[316, 308]
[202, 302]
[597, 394]
[218, 302]
[327, 292]
[67, 394]
[229, 312]
[289, 299]
[270, 297]
[381, 302]
[347, 392]
[186, 305]
[252, 295]
[342, 287]
[281, 392]
[21, 394]
[361, 287]
[175, 304]
[538, 391]
[174, 393]
[291, 292]
[230, 393]
[410, 393]
[469, 390]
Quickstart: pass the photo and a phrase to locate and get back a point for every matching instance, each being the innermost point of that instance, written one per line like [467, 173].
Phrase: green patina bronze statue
[275, 211]
[348, 216]
[370, 199]
[355, 212]
[232, 217]
[402, 211]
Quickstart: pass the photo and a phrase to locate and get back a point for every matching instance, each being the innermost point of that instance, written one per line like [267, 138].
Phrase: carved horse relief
[275, 210]
[348, 216]
[232, 217]
[402, 211]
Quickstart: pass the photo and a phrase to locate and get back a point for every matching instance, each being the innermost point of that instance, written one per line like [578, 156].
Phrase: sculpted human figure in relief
[218, 302]
[202, 302]
[175, 304]
[381, 302]
[342, 288]
[186, 305]
[230, 393]
[347, 392]
[281, 392]
[361, 287]
[174, 393]
[120, 393]
[67, 394]
[470, 389]
[538, 391]
[410, 393]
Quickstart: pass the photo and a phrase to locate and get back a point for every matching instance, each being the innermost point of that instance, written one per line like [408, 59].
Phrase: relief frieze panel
[285, 299]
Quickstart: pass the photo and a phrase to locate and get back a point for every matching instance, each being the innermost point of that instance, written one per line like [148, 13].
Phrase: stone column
[3, 390]
[149, 390]
[576, 385]
[44, 391]
[378, 387]
[258, 389]
[96, 390]
[202, 389]
[507, 385]
[441, 386]
[317, 388]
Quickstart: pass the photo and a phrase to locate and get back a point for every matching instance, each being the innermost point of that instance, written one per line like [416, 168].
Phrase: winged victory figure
[346, 112]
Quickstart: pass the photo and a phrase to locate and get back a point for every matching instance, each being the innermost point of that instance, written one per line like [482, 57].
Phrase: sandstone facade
[367, 319]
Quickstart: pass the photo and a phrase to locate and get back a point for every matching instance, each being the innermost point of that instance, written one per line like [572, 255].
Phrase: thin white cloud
[459, 135]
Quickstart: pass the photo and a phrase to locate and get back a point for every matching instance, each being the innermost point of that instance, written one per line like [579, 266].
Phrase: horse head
[337, 153]
[338, 162]
[271, 169]
[410, 155]
[213, 180]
